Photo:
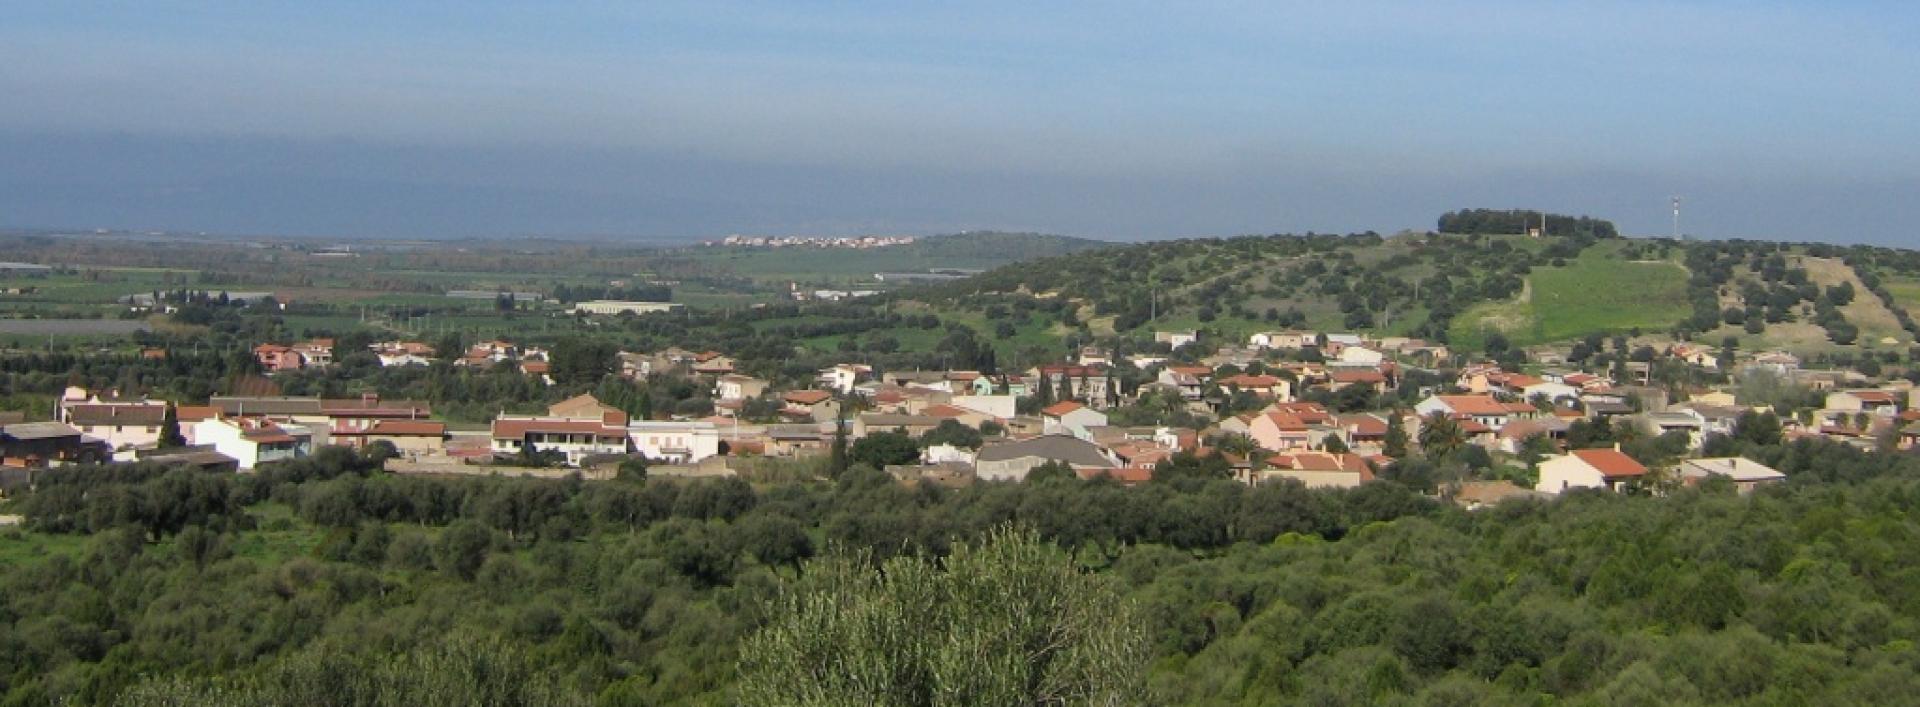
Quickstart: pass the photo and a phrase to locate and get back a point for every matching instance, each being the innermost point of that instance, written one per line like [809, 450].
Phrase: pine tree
[837, 462]
[1396, 443]
[170, 430]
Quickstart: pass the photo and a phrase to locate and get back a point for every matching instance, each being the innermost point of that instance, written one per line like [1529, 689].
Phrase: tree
[1007, 620]
[951, 431]
[170, 436]
[462, 549]
[879, 449]
[837, 458]
[581, 361]
[1396, 442]
[1440, 436]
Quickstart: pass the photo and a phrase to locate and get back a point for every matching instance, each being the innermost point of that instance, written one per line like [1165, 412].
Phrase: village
[1326, 410]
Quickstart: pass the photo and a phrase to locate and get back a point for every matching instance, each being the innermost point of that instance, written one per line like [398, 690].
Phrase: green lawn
[1595, 294]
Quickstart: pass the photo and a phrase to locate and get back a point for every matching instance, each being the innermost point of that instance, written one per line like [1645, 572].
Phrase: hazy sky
[1116, 120]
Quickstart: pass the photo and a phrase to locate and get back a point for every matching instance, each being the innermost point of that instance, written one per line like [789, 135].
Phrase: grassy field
[1906, 292]
[1593, 294]
[23, 548]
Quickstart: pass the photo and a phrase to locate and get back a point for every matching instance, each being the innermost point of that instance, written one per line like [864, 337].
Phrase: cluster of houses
[1268, 420]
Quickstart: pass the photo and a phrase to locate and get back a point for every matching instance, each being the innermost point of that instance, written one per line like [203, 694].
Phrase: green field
[1596, 293]
[1906, 292]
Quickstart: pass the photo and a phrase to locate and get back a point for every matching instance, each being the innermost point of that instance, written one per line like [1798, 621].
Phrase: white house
[1588, 468]
[1360, 356]
[1283, 340]
[1176, 339]
[1071, 418]
[122, 426]
[602, 306]
[675, 442]
[1483, 409]
[1746, 474]
[574, 437]
[844, 377]
[253, 441]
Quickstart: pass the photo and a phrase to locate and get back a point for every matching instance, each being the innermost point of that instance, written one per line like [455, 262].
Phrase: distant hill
[1471, 290]
[977, 250]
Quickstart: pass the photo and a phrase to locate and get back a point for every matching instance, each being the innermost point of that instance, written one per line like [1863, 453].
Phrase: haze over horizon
[1117, 121]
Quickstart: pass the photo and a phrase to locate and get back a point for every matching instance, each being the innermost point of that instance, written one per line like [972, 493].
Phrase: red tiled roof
[1364, 425]
[1874, 396]
[1474, 404]
[1363, 375]
[1611, 463]
[1246, 381]
[946, 411]
[807, 397]
[1061, 408]
[195, 413]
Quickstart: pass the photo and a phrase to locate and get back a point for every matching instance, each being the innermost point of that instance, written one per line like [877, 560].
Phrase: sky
[1118, 120]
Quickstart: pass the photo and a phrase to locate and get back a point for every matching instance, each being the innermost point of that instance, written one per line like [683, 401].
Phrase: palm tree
[1441, 436]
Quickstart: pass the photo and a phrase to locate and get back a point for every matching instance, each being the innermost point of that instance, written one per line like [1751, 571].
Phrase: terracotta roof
[946, 411]
[1874, 396]
[1612, 463]
[1474, 404]
[1361, 375]
[1061, 408]
[194, 413]
[1365, 425]
[807, 397]
[1323, 461]
[1246, 381]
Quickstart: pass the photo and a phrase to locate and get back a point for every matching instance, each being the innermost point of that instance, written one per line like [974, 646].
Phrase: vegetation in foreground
[514, 591]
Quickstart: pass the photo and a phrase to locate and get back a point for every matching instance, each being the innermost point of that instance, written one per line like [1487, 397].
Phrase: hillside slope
[1454, 288]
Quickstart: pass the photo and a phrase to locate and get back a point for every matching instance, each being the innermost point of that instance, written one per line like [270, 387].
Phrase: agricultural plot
[1592, 294]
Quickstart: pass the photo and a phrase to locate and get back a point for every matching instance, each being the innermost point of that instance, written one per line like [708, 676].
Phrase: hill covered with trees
[1579, 279]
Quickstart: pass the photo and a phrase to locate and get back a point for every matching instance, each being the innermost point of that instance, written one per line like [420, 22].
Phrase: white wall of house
[1566, 473]
[676, 442]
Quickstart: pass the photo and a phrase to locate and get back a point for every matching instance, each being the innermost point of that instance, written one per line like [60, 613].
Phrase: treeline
[1507, 221]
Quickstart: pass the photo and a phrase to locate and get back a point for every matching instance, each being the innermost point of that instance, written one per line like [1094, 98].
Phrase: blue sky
[1117, 120]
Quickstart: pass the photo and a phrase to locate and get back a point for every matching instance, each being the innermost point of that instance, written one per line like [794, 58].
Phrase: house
[964, 416]
[1512, 437]
[1369, 378]
[712, 363]
[1778, 362]
[738, 387]
[791, 440]
[1191, 381]
[253, 441]
[275, 358]
[635, 366]
[403, 353]
[1746, 474]
[1883, 403]
[1589, 468]
[43, 444]
[574, 437]
[1315, 469]
[1678, 420]
[1283, 340]
[1696, 355]
[1010, 461]
[1484, 409]
[618, 307]
[675, 442]
[1176, 339]
[1094, 356]
[122, 427]
[996, 407]
[580, 407]
[843, 377]
[1364, 433]
[1086, 383]
[1071, 418]
[1009, 385]
[1288, 427]
[1910, 437]
[1359, 356]
[411, 438]
[816, 405]
[913, 425]
[1265, 386]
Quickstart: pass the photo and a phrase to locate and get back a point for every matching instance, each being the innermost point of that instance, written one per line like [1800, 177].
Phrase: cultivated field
[1593, 294]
